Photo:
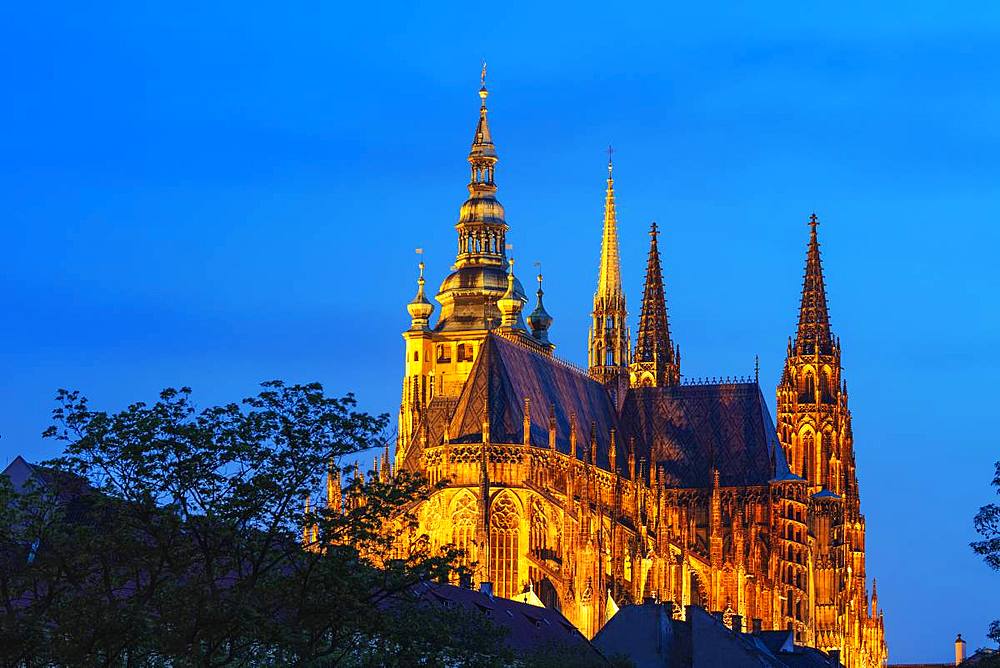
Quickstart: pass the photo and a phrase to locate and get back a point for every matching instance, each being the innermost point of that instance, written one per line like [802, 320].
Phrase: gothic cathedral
[600, 487]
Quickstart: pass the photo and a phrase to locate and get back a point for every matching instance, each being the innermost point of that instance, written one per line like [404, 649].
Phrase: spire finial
[756, 369]
[611, 153]
[654, 230]
[813, 221]
[482, 84]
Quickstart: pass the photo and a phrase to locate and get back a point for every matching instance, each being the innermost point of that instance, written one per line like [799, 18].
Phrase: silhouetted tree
[987, 523]
[171, 535]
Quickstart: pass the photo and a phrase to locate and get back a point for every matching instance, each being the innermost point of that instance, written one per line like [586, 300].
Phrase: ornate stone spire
[539, 320]
[813, 333]
[609, 344]
[656, 363]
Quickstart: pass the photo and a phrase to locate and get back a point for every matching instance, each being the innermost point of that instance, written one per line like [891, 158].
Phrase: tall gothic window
[808, 455]
[538, 539]
[504, 529]
[463, 526]
[809, 391]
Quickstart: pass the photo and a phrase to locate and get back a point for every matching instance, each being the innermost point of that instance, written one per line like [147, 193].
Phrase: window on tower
[464, 352]
[809, 388]
[444, 353]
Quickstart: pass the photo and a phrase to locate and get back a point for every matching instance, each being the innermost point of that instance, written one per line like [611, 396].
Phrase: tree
[171, 535]
[987, 523]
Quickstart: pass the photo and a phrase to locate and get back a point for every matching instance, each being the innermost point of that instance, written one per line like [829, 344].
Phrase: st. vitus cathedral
[600, 487]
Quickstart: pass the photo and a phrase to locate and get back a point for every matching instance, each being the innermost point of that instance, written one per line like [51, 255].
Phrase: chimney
[465, 580]
[738, 623]
[959, 650]
[758, 626]
[486, 588]
[834, 658]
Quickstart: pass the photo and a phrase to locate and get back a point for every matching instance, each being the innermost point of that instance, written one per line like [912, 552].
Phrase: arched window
[463, 526]
[808, 455]
[504, 522]
[809, 391]
[416, 355]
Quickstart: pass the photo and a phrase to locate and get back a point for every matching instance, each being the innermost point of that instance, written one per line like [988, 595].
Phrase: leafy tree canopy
[169, 535]
[987, 523]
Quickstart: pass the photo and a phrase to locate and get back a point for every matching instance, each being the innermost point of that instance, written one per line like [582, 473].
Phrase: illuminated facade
[609, 485]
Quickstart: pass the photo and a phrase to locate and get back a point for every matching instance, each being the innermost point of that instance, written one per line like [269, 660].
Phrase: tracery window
[463, 526]
[538, 539]
[809, 392]
[504, 523]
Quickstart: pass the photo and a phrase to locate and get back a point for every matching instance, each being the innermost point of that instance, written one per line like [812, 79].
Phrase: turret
[510, 304]
[420, 309]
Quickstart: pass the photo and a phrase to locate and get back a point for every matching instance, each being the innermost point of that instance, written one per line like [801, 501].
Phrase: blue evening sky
[215, 194]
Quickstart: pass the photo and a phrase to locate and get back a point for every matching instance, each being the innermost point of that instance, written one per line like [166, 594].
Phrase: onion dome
[511, 303]
[420, 309]
[539, 320]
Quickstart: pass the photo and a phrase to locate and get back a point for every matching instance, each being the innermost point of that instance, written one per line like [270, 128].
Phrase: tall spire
[813, 334]
[609, 278]
[608, 345]
[656, 363]
[469, 294]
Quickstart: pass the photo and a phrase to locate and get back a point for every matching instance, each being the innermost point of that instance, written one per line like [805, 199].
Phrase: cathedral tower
[608, 347]
[439, 358]
[814, 423]
[814, 427]
[656, 362]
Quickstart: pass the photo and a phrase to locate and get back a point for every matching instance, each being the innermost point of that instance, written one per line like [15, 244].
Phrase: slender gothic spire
[609, 344]
[656, 362]
[609, 278]
[813, 334]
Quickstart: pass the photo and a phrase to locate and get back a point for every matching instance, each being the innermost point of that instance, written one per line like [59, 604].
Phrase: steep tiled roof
[691, 429]
[504, 374]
